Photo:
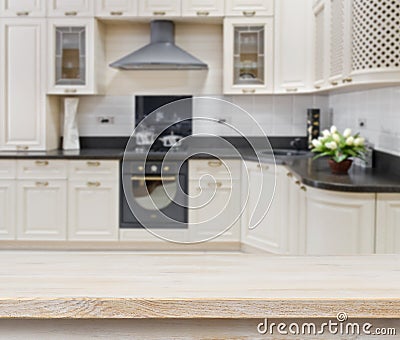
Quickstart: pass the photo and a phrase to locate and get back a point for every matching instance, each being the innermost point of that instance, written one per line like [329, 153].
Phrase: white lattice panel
[319, 44]
[376, 34]
[336, 37]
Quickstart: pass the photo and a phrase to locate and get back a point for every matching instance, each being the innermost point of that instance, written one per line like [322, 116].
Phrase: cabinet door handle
[249, 13]
[116, 13]
[70, 90]
[265, 167]
[202, 13]
[217, 184]
[23, 14]
[42, 184]
[42, 163]
[22, 147]
[214, 164]
[292, 89]
[159, 13]
[248, 90]
[93, 184]
[71, 13]
[93, 164]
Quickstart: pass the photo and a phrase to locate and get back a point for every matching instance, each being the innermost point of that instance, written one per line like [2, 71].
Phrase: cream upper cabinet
[388, 224]
[248, 55]
[116, 8]
[293, 46]
[214, 200]
[77, 56]
[22, 8]
[22, 84]
[70, 8]
[159, 8]
[249, 8]
[265, 222]
[340, 223]
[203, 8]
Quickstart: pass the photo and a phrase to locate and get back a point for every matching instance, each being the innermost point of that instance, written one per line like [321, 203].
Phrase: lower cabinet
[7, 204]
[340, 223]
[265, 223]
[93, 210]
[41, 209]
[388, 224]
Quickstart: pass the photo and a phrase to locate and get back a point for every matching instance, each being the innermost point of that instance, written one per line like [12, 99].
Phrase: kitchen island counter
[183, 285]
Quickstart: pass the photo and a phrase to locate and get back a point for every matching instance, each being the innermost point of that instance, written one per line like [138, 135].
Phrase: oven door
[155, 201]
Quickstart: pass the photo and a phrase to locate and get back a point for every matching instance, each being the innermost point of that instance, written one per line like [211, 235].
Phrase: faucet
[296, 144]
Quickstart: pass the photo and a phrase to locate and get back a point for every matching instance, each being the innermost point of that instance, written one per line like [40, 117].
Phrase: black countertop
[315, 174]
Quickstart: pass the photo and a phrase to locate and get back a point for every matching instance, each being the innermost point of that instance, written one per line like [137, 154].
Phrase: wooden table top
[93, 284]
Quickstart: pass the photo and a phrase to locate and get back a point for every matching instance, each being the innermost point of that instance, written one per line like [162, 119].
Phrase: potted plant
[340, 148]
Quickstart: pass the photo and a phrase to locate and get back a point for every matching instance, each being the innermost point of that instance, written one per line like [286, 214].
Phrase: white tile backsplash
[381, 110]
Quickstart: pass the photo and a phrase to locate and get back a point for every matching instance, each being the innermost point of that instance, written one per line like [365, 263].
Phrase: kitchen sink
[286, 152]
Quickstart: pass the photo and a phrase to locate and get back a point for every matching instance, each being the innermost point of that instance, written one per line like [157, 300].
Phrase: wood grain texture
[71, 284]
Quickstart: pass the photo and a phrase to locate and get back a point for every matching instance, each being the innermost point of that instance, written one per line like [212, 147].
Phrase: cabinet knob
[248, 91]
[334, 83]
[317, 87]
[22, 14]
[292, 89]
[71, 13]
[303, 188]
[297, 182]
[116, 13]
[347, 80]
[159, 13]
[93, 184]
[217, 184]
[289, 174]
[202, 13]
[249, 13]
[22, 147]
[214, 164]
[42, 184]
[42, 163]
[70, 90]
[92, 163]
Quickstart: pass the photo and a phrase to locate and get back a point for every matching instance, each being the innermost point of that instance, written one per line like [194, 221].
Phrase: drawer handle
[42, 184]
[159, 13]
[303, 188]
[22, 14]
[217, 184]
[289, 174]
[334, 83]
[249, 13]
[214, 164]
[317, 87]
[116, 13]
[260, 166]
[94, 164]
[202, 13]
[71, 13]
[70, 90]
[292, 89]
[22, 147]
[93, 184]
[347, 80]
[249, 91]
[42, 163]
[297, 182]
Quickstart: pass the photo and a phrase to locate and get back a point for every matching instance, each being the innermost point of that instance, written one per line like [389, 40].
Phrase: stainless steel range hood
[161, 53]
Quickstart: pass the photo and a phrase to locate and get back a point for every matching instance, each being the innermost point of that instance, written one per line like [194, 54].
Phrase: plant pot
[340, 168]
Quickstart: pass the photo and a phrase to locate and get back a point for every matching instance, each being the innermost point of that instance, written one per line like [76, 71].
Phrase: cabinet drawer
[8, 169]
[93, 169]
[41, 168]
[219, 169]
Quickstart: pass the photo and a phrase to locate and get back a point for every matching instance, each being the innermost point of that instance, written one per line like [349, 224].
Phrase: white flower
[336, 137]
[350, 140]
[326, 133]
[331, 145]
[347, 133]
[333, 129]
[316, 143]
[359, 141]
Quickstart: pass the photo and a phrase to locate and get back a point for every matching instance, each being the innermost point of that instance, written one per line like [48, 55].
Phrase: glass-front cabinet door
[71, 60]
[248, 55]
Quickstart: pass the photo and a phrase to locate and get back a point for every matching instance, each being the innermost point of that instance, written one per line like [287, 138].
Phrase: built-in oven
[154, 195]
